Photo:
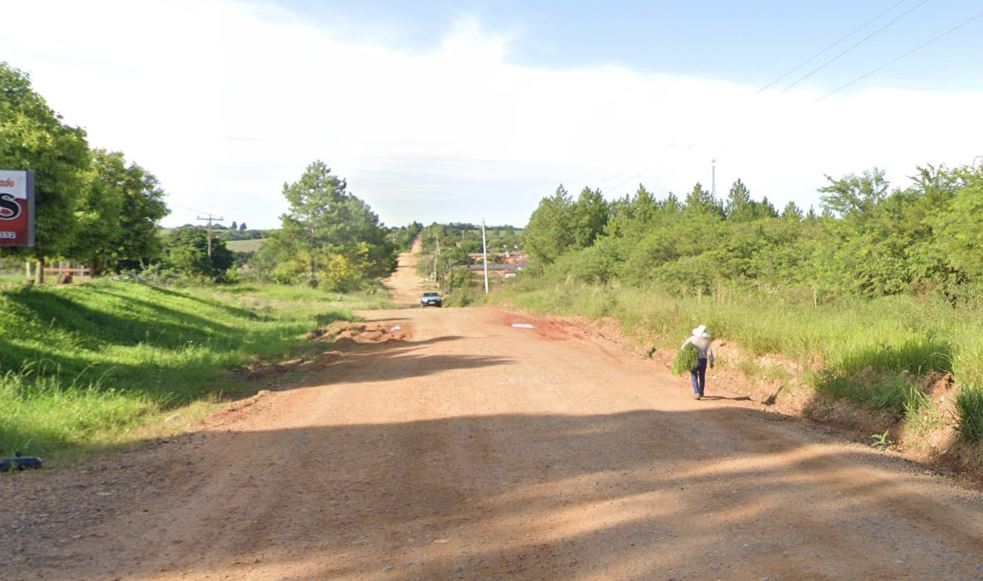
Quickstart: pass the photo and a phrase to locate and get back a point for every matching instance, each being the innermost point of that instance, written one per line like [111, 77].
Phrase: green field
[244, 245]
[83, 366]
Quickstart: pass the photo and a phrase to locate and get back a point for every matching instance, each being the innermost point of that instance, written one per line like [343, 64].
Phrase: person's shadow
[719, 397]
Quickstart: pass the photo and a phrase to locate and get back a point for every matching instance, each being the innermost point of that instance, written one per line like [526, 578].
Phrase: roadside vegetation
[164, 315]
[869, 295]
[86, 365]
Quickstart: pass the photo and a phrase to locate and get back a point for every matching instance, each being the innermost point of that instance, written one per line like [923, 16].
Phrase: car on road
[431, 299]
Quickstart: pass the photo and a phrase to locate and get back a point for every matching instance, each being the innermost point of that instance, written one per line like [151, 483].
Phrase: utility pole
[210, 219]
[436, 257]
[713, 177]
[484, 253]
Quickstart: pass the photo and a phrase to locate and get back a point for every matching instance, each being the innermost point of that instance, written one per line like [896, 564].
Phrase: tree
[853, 196]
[549, 234]
[961, 231]
[590, 215]
[764, 209]
[98, 210]
[234, 226]
[186, 251]
[700, 201]
[739, 207]
[335, 233]
[792, 212]
[34, 137]
[118, 214]
[143, 208]
[242, 227]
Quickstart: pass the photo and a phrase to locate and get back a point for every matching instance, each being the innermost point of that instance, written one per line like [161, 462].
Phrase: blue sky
[441, 111]
[745, 42]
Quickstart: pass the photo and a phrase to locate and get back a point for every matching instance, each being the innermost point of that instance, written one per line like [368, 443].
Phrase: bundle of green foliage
[685, 360]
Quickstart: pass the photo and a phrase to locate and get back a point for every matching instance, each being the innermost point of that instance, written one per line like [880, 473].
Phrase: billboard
[16, 208]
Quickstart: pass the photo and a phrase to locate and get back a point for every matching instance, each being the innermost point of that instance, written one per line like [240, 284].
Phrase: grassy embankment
[85, 366]
[871, 352]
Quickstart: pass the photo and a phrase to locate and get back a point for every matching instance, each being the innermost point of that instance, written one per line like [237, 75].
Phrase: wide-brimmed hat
[701, 331]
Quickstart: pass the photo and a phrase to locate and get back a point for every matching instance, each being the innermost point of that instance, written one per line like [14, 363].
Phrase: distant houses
[504, 264]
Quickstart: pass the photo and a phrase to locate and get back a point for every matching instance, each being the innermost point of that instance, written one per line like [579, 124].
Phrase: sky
[463, 111]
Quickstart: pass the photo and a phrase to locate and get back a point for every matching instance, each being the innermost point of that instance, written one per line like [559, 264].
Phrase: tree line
[92, 205]
[96, 207]
[867, 240]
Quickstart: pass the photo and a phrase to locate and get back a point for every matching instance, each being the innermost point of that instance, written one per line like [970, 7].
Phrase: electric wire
[855, 45]
[903, 55]
[830, 47]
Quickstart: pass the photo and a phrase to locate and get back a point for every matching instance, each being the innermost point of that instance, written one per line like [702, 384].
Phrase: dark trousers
[699, 377]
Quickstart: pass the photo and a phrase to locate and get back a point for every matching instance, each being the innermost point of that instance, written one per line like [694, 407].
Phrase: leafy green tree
[700, 201]
[855, 197]
[118, 214]
[98, 211]
[549, 233]
[334, 233]
[671, 205]
[792, 212]
[34, 137]
[739, 206]
[644, 206]
[590, 215]
[764, 209]
[186, 252]
[961, 231]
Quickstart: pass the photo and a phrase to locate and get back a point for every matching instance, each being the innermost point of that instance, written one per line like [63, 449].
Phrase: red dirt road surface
[474, 450]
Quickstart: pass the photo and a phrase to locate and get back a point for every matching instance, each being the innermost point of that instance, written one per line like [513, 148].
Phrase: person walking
[701, 340]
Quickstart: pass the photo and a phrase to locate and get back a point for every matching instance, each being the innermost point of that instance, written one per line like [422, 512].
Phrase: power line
[855, 45]
[828, 48]
[903, 55]
[189, 208]
[210, 219]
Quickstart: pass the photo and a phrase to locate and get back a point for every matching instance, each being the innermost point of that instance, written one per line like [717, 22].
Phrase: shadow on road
[643, 494]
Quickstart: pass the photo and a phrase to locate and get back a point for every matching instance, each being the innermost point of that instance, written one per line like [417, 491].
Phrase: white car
[431, 299]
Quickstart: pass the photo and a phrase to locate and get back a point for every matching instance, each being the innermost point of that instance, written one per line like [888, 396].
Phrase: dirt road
[475, 450]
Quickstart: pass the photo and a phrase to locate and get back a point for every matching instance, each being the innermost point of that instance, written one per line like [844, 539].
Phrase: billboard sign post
[16, 208]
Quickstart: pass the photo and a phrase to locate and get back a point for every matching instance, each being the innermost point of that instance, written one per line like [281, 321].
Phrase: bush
[186, 252]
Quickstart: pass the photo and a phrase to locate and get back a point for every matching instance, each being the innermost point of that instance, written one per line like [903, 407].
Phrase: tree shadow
[94, 329]
[211, 303]
[726, 398]
[641, 494]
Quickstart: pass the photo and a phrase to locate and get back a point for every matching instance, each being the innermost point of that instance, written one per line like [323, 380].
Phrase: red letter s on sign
[9, 208]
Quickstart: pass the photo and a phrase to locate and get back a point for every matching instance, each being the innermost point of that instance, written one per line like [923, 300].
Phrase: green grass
[82, 366]
[969, 403]
[871, 352]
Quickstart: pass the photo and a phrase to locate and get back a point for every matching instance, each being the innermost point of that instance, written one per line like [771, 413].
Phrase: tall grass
[82, 366]
[871, 351]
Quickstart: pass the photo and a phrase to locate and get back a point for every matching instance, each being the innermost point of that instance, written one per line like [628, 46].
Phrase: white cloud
[225, 101]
